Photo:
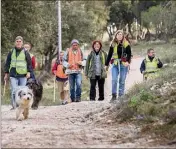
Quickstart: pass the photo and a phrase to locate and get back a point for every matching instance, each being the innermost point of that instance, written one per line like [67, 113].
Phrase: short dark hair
[30, 44]
[148, 51]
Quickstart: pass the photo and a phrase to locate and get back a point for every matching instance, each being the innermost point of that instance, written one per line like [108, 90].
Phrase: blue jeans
[123, 74]
[15, 82]
[75, 80]
[32, 75]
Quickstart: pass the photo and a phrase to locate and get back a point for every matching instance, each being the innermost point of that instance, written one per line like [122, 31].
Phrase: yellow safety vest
[115, 53]
[19, 62]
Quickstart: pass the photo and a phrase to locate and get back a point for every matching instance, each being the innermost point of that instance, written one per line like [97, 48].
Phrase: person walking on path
[28, 47]
[61, 78]
[150, 65]
[18, 67]
[74, 62]
[95, 70]
[120, 52]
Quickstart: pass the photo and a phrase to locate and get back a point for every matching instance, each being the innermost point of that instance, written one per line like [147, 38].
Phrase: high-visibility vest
[125, 43]
[151, 66]
[60, 72]
[74, 58]
[19, 62]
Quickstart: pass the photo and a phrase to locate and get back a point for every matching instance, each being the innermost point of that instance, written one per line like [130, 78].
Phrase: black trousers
[93, 83]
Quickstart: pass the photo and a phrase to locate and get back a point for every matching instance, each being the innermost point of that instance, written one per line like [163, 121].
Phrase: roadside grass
[48, 93]
[153, 102]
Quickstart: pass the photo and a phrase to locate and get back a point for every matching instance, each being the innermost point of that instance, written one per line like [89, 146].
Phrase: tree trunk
[129, 29]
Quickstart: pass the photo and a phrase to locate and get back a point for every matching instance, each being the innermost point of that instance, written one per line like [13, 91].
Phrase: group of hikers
[71, 63]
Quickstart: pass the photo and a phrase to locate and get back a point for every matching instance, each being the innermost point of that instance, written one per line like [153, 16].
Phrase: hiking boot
[73, 100]
[78, 99]
[65, 102]
[92, 99]
[114, 97]
[100, 99]
[12, 108]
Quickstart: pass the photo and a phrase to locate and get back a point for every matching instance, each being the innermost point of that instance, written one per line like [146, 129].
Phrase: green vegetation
[153, 103]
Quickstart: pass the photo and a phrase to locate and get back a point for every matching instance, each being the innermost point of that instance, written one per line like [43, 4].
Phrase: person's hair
[19, 37]
[58, 56]
[118, 31]
[96, 41]
[28, 43]
[149, 50]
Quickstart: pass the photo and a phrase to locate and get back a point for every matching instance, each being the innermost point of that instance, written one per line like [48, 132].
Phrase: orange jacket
[59, 71]
[74, 58]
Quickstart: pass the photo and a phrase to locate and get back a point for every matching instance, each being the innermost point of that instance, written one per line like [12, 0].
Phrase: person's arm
[105, 54]
[160, 64]
[54, 68]
[29, 62]
[33, 62]
[65, 59]
[87, 65]
[142, 68]
[109, 55]
[128, 51]
[7, 64]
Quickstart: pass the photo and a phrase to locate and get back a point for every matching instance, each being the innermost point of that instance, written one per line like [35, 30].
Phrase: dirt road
[70, 126]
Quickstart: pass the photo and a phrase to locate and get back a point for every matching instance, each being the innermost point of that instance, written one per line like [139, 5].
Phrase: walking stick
[54, 94]
[118, 79]
[5, 82]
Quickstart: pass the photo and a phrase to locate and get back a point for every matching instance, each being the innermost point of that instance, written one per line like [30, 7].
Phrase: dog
[23, 99]
[37, 88]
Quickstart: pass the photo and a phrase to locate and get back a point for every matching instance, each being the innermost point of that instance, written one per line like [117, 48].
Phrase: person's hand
[126, 64]
[28, 75]
[6, 77]
[70, 66]
[87, 77]
[79, 62]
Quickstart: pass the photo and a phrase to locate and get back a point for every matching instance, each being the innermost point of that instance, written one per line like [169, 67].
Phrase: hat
[19, 37]
[74, 41]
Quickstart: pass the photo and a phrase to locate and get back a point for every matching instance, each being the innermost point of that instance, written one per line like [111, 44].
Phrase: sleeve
[7, 64]
[54, 68]
[142, 68]
[29, 63]
[128, 51]
[109, 56]
[160, 64]
[33, 62]
[65, 58]
[87, 65]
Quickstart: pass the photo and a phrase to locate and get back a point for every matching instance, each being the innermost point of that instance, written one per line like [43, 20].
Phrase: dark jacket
[127, 50]
[90, 69]
[142, 68]
[13, 72]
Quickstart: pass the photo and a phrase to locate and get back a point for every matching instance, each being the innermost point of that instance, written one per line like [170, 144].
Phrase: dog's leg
[36, 103]
[26, 113]
[19, 112]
